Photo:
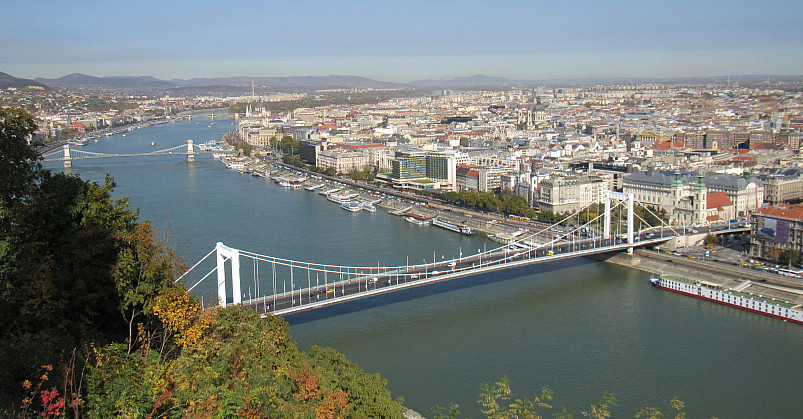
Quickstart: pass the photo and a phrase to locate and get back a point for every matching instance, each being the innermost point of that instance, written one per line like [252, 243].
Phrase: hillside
[7, 80]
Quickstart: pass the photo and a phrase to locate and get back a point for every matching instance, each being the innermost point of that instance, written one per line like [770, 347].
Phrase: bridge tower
[190, 151]
[223, 253]
[67, 157]
[628, 198]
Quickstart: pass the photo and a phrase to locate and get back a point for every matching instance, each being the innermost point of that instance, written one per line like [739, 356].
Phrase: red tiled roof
[717, 200]
[666, 145]
[786, 211]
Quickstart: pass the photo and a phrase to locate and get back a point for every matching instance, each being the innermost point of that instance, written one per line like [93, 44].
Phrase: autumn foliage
[93, 325]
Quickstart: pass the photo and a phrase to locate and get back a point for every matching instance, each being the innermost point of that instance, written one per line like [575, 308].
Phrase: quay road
[365, 284]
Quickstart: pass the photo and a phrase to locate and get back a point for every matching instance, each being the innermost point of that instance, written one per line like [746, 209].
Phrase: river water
[581, 327]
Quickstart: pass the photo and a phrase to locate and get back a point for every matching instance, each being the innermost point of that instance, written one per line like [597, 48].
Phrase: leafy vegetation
[497, 401]
[88, 305]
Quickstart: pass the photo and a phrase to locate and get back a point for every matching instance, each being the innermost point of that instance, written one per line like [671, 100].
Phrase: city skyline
[403, 42]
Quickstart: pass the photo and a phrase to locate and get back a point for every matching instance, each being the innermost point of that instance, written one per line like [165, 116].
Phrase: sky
[401, 41]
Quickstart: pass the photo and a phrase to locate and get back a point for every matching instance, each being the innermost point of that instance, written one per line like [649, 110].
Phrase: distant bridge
[284, 286]
[67, 154]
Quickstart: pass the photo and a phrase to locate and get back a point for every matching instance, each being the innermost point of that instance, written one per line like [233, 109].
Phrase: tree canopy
[89, 306]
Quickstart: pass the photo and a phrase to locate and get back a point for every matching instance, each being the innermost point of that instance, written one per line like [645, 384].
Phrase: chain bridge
[67, 154]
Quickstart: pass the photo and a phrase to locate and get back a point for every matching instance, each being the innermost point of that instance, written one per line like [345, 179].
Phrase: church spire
[700, 186]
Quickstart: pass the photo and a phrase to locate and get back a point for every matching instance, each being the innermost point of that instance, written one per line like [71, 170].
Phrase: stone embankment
[764, 283]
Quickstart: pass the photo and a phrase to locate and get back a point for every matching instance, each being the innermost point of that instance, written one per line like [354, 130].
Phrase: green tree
[788, 257]
[517, 205]
[20, 165]
[72, 260]
[451, 197]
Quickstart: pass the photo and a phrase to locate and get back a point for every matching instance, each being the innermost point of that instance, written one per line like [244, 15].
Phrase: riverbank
[728, 276]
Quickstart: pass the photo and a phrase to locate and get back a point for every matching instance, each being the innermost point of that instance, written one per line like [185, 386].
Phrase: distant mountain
[480, 81]
[475, 81]
[279, 83]
[7, 80]
[113, 82]
[297, 82]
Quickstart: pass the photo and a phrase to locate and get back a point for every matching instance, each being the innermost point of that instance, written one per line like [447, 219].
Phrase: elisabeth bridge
[282, 286]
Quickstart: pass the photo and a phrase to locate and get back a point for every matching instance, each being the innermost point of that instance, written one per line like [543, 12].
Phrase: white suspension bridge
[283, 286]
[67, 154]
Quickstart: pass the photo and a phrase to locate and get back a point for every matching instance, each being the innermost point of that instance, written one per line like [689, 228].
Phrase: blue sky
[402, 40]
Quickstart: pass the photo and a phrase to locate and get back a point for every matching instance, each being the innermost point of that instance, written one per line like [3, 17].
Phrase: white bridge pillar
[67, 157]
[628, 198]
[190, 151]
[224, 252]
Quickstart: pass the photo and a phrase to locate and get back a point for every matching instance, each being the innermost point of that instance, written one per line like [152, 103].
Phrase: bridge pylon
[227, 253]
[67, 157]
[190, 151]
[628, 198]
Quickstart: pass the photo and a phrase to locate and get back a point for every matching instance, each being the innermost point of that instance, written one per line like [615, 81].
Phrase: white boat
[314, 187]
[415, 220]
[329, 192]
[457, 228]
[368, 207]
[352, 206]
[756, 303]
[153, 143]
[341, 198]
[284, 184]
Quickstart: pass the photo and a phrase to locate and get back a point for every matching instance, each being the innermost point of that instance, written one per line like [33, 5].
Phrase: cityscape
[401, 210]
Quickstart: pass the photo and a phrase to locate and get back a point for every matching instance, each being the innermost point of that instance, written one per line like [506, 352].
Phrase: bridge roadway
[370, 284]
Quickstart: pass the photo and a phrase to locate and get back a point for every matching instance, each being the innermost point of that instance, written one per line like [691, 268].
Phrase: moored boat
[352, 206]
[341, 198]
[416, 220]
[756, 303]
[457, 228]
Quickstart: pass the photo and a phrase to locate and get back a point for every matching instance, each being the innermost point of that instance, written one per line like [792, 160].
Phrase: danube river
[581, 327]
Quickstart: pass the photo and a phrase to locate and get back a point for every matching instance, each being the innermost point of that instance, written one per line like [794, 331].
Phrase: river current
[581, 327]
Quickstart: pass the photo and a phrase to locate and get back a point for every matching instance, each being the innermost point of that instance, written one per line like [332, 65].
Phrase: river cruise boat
[414, 219]
[756, 303]
[341, 198]
[352, 206]
[328, 191]
[457, 228]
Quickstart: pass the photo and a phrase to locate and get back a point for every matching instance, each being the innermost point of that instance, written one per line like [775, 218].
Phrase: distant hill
[296, 82]
[77, 80]
[475, 81]
[480, 81]
[242, 84]
[113, 82]
[7, 80]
